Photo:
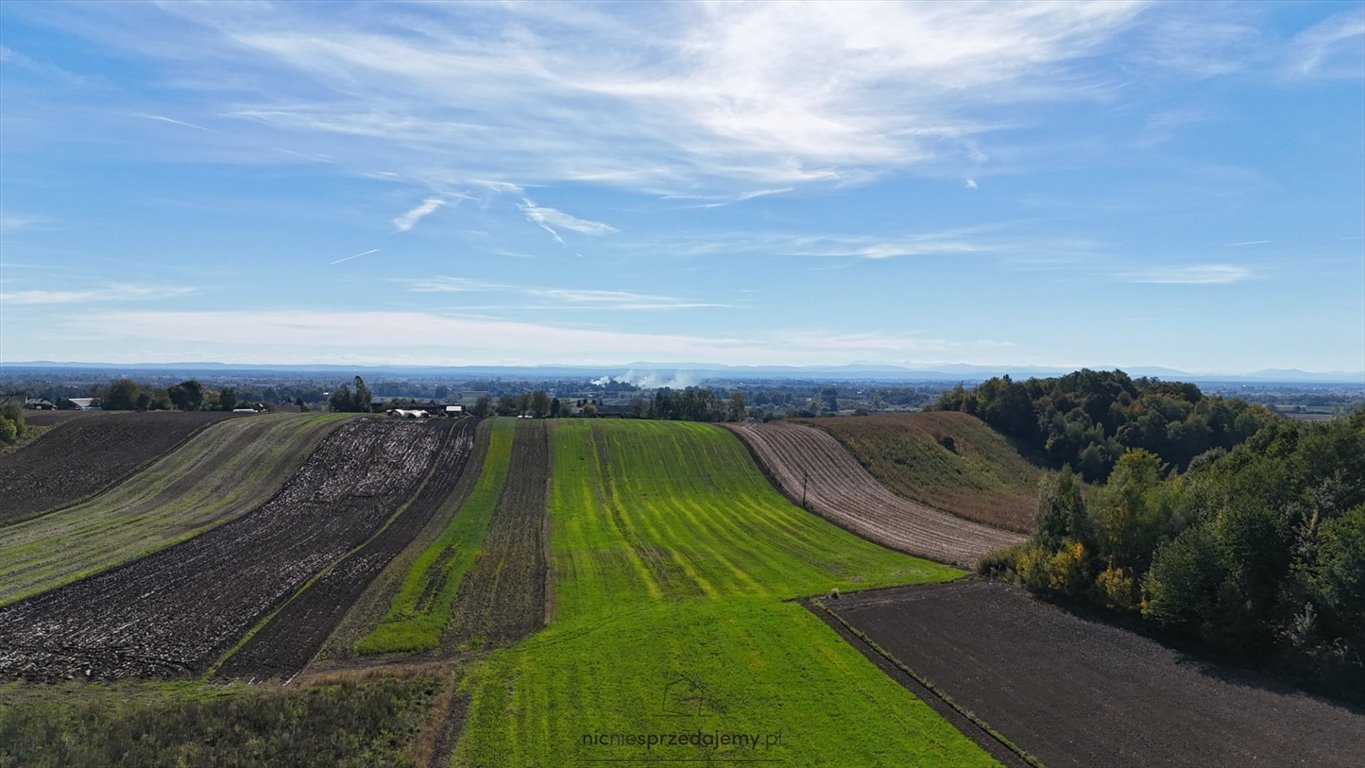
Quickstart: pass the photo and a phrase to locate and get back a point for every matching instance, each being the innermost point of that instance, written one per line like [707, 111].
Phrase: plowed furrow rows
[502, 598]
[806, 462]
[293, 636]
[174, 611]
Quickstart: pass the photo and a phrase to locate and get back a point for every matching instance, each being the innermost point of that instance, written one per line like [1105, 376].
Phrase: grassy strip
[421, 608]
[670, 556]
[939, 692]
[168, 503]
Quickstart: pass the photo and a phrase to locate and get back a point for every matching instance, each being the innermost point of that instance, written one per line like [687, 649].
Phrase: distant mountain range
[668, 372]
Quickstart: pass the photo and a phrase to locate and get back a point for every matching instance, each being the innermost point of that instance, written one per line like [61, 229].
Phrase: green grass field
[221, 473]
[421, 608]
[671, 557]
[982, 477]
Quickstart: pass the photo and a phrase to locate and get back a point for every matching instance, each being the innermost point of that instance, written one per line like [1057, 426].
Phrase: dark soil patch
[86, 453]
[174, 612]
[293, 636]
[502, 597]
[1075, 692]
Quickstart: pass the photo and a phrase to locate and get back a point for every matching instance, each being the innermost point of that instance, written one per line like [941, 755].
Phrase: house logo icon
[684, 697]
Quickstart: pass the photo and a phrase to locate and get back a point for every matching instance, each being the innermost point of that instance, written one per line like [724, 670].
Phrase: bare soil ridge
[811, 466]
[173, 612]
[1078, 692]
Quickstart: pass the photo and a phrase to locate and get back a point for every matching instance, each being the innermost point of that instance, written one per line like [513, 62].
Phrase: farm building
[454, 410]
[79, 404]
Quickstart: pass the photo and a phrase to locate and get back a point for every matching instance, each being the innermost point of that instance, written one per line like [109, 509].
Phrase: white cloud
[366, 337]
[1198, 274]
[111, 292]
[1245, 242]
[680, 98]
[405, 221]
[558, 298]
[1331, 48]
[551, 220]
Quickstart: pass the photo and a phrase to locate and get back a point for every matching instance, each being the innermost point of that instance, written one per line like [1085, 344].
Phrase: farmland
[1092, 693]
[79, 456]
[296, 632]
[812, 467]
[218, 475]
[171, 612]
[947, 460]
[669, 556]
[502, 597]
[420, 609]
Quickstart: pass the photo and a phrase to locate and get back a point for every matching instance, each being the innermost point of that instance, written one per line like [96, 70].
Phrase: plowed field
[221, 473]
[173, 612]
[946, 459]
[285, 645]
[809, 464]
[82, 455]
[1079, 692]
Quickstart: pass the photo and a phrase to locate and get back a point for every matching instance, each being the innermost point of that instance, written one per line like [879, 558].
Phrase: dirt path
[1078, 692]
[812, 467]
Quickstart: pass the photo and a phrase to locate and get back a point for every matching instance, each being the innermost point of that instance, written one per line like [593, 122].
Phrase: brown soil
[1074, 691]
[86, 453]
[502, 597]
[811, 467]
[173, 612]
[293, 636]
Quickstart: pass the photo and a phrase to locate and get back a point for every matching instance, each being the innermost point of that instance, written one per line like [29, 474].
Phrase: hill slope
[979, 475]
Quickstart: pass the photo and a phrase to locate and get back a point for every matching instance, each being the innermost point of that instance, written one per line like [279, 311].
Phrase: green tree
[540, 404]
[188, 395]
[361, 398]
[483, 407]
[121, 395]
[227, 399]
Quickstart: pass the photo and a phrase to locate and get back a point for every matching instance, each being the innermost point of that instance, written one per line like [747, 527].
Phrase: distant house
[39, 404]
[81, 404]
[454, 410]
[408, 413]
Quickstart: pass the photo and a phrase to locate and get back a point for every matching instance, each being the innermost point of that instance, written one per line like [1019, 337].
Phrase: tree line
[1088, 419]
[1258, 551]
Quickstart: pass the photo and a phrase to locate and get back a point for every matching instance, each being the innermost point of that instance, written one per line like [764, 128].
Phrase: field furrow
[174, 611]
[502, 597]
[295, 633]
[84, 454]
[218, 475]
[811, 466]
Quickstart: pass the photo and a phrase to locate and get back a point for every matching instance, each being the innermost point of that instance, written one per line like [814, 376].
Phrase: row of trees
[1088, 419]
[690, 404]
[189, 395]
[1258, 551]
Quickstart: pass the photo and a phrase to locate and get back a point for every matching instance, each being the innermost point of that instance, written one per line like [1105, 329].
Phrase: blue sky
[1174, 184]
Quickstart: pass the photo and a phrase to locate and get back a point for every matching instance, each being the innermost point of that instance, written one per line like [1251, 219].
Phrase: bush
[1068, 569]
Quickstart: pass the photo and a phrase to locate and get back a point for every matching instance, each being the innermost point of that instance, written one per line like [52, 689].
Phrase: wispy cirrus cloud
[111, 292]
[552, 220]
[558, 298]
[1196, 274]
[345, 259]
[1334, 47]
[408, 219]
[707, 99]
